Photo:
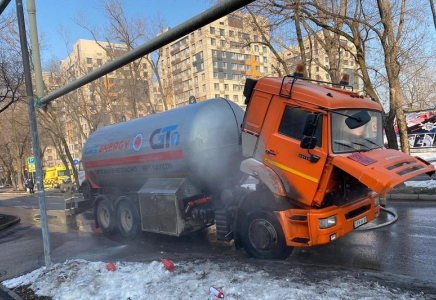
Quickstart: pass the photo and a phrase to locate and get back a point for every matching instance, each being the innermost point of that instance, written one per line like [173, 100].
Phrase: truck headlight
[327, 222]
[376, 201]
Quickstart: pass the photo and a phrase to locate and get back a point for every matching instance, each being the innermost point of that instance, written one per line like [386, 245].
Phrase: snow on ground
[428, 184]
[79, 279]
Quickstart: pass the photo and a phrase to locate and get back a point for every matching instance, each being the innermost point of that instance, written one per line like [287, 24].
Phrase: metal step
[222, 226]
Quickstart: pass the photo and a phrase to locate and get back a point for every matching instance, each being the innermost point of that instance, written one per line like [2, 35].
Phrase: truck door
[283, 153]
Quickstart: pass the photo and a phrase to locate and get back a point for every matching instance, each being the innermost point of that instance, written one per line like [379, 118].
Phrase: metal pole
[31, 11]
[34, 131]
[3, 5]
[218, 11]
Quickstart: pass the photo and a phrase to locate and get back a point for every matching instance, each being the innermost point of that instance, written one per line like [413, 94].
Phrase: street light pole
[34, 131]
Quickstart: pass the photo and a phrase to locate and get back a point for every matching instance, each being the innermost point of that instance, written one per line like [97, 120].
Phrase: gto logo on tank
[165, 137]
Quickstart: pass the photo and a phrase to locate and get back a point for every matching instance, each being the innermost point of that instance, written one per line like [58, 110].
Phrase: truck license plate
[360, 222]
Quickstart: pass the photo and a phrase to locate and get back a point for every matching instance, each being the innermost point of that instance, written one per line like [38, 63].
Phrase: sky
[52, 15]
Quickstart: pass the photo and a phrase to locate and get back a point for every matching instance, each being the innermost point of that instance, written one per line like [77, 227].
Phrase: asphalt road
[405, 248]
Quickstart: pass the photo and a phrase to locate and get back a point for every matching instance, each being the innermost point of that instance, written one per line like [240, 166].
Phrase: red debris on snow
[169, 265]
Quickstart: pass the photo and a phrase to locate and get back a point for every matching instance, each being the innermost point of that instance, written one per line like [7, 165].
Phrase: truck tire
[262, 236]
[106, 217]
[128, 219]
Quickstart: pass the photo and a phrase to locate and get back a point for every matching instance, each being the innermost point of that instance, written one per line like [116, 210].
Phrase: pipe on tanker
[212, 14]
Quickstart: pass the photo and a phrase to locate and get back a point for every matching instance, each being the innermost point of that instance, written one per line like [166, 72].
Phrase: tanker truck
[315, 148]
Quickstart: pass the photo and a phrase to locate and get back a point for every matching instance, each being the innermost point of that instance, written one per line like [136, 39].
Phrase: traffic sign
[31, 164]
[76, 162]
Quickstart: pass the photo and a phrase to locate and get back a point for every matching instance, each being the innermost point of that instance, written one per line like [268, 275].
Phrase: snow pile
[81, 279]
[427, 184]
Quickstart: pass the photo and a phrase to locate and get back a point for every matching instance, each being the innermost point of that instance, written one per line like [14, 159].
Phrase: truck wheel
[263, 237]
[128, 219]
[106, 217]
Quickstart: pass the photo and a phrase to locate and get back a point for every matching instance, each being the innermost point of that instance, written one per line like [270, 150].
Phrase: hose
[383, 224]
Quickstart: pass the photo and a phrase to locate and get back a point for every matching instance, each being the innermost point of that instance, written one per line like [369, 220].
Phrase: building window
[256, 48]
[235, 98]
[100, 62]
[255, 38]
[265, 59]
[214, 53]
[224, 65]
[231, 33]
[226, 96]
[215, 64]
[212, 42]
[265, 69]
[204, 88]
[216, 86]
[212, 30]
[264, 49]
[292, 124]
[256, 58]
[234, 66]
[89, 69]
[223, 43]
[225, 75]
[248, 68]
[203, 77]
[89, 60]
[215, 75]
[221, 32]
[223, 54]
[226, 87]
[217, 95]
[257, 69]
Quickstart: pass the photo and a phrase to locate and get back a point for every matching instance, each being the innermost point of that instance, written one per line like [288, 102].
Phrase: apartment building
[317, 60]
[122, 95]
[119, 96]
[214, 61]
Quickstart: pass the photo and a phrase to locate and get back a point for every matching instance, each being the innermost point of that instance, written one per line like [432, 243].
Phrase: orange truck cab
[318, 152]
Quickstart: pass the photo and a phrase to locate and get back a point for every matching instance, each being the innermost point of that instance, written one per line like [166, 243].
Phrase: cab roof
[312, 93]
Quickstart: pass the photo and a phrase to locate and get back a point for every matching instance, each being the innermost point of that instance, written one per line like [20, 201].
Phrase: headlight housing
[327, 222]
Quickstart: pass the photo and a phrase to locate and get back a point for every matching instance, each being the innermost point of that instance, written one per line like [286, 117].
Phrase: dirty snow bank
[427, 184]
[79, 279]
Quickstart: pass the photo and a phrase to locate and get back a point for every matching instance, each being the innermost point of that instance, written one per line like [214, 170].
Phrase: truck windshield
[363, 138]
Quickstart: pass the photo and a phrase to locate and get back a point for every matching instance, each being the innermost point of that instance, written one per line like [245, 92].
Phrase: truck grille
[358, 211]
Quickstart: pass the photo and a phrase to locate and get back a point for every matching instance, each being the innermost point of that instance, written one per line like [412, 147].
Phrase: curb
[10, 293]
[10, 223]
[423, 197]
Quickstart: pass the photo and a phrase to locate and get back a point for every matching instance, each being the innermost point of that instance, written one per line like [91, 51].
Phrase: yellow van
[53, 176]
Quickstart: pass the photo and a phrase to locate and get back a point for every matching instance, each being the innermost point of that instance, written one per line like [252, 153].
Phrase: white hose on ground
[384, 224]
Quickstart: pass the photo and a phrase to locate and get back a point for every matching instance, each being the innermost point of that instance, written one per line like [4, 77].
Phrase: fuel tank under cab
[200, 142]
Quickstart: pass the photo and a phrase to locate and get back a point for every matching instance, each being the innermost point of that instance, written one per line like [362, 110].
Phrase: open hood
[382, 169]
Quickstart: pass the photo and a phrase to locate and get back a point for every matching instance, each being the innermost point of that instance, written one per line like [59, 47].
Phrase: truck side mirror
[308, 142]
[309, 124]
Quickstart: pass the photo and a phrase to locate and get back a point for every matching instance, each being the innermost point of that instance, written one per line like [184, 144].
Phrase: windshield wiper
[362, 145]
[343, 144]
[368, 140]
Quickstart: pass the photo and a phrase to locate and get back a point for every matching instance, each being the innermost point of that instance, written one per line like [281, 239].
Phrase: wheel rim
[104, 217]
[126, 219]
[262, 234]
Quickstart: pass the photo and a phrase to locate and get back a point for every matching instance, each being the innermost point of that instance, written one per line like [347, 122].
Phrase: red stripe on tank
[136, 159]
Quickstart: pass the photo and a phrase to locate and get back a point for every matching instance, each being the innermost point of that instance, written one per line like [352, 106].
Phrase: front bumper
[301, 227]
